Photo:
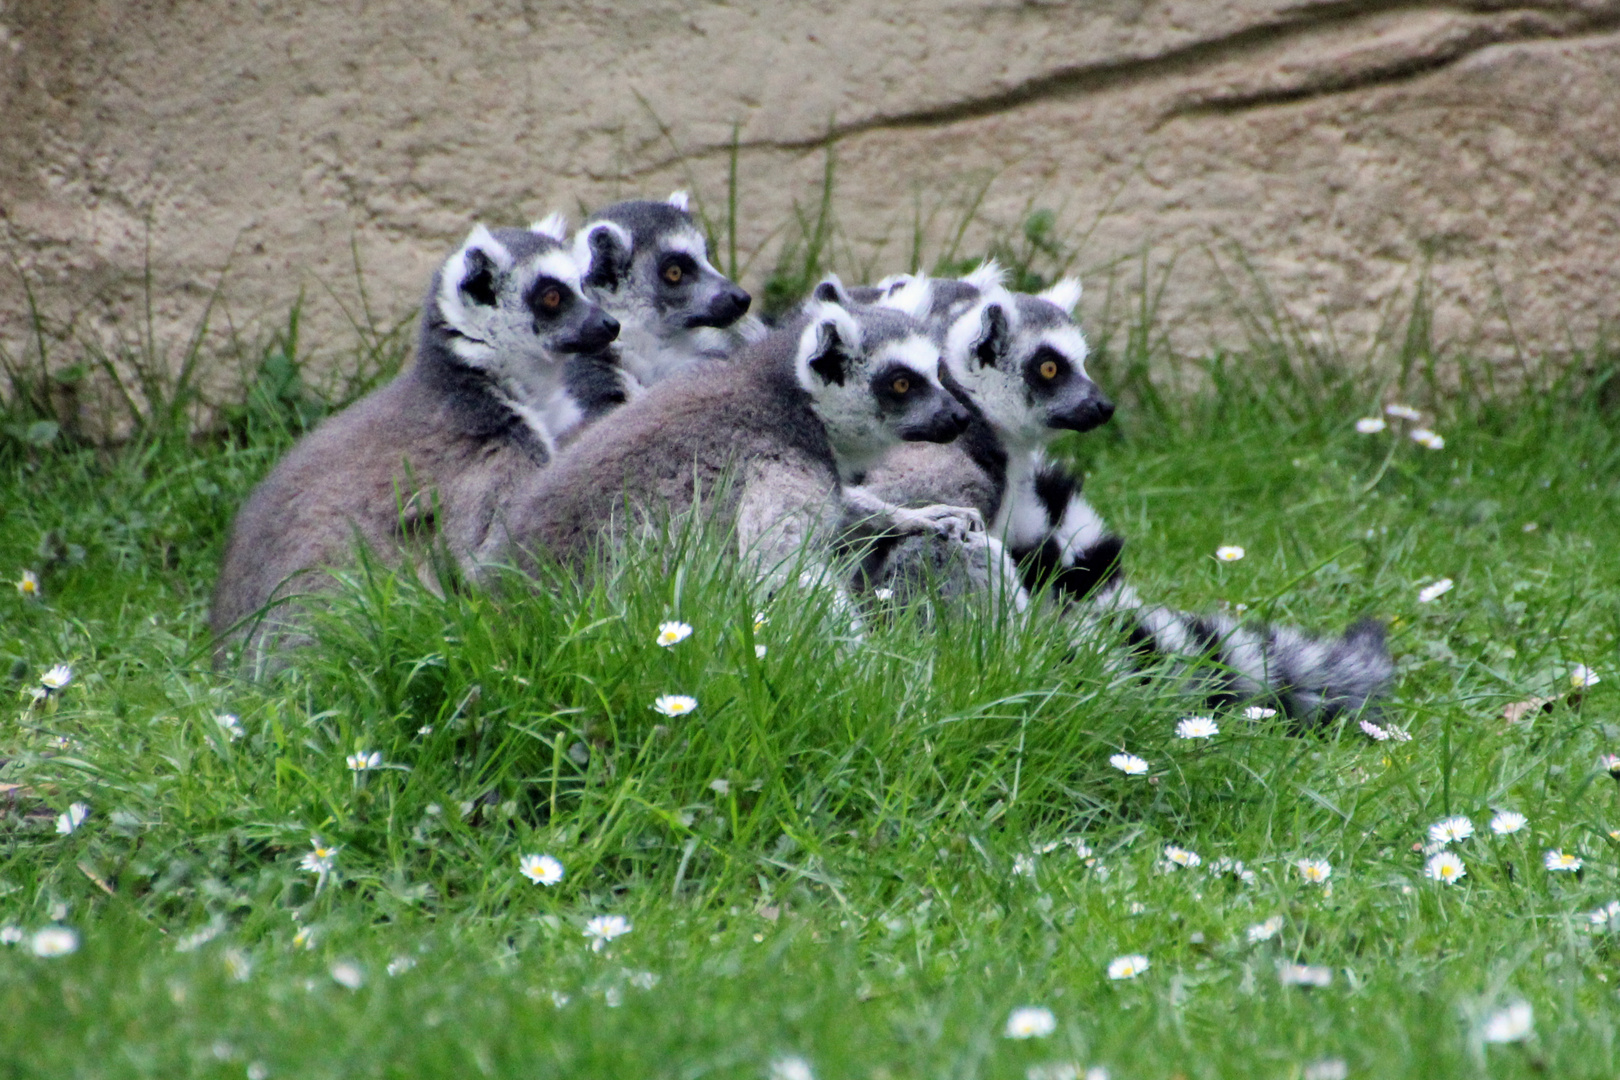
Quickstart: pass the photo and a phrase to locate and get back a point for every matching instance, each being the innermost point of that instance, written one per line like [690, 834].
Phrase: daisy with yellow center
[361, 761]
[1446, 868]
[1402, 412]
[1265, 931]
[602, 929]
[1558, 862]
[1315, 871]
[1581, 676]
[1229, 553]
[673, 633]
[1370, 425]
[675, 704]
[57, 677]
[320, 859]
[1129, 764]
[1197, 727]
[1127, 967]
[1451, 830]
[1427, 439]
[28, 585]
[1030, 1022]
[1508, 822]
[1176, 856]
[541, 869]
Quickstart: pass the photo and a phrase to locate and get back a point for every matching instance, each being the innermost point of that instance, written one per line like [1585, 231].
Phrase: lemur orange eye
[1049, 369]
[551, 299]
[901, 385]
[672, 273]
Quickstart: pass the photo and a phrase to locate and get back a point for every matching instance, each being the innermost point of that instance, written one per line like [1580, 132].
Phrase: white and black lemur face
[1023, 360]
[510, 300]
[873, 375]
[648, 263]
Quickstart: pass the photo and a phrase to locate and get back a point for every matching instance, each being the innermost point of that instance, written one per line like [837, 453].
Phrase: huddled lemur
[430, 458]
[1021, 360]
[764, 442]
[647, 264]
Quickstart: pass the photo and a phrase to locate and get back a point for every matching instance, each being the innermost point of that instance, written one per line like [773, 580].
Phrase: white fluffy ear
[481, 239]
[988, 275]
[828, 346]
[913, 294]
[1065, 294]
[831, 289]
[602, 251]
[472, 277]
[554, 225]
[680, 200]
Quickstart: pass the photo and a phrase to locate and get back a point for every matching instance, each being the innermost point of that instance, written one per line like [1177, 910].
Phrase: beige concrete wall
[1344, 147]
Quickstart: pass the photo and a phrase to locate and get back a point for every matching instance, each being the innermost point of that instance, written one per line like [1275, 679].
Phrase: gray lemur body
[764, 442]
[1013, 355]
[428, 459]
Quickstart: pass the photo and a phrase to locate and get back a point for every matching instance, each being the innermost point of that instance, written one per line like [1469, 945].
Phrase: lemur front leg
[874, 513]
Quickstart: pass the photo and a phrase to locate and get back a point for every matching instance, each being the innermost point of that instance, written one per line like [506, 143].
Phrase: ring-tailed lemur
[1014, 355]
[429, 458]
[765, 442]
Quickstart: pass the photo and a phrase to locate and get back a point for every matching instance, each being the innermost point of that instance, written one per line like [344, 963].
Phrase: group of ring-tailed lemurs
[569, 392]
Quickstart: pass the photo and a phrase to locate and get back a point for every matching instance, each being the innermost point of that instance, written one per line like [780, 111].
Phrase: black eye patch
[898, 387]
[1047, 370]
[548, 297]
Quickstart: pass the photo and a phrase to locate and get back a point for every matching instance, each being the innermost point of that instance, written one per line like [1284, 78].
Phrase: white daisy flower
[1181, 857]
[675, 704]
[1023, 866]
[1529, 527]
[1370, 425]
[304, 938]
[28, 585]
[1427, 439]
[54, 941]
[1258, 712]
[1374, 732]
[10, 935]
[1305, 975]
[1315, 871]
[57, 677]
[602, 929]
[1430, 593]
[1228, 865]
[230, 725]
[1610, 763]
[1402, 412]
[1081, 848]
[361, 761]
[347, 973]
[1030, 1022]
[1607, 916]
[644, 980]
[759, 652]
[76, 813]
[673, 633]
[1127, 967]
[761, 621]
[1197, 727]
[320, 859]
[1558, 862]
[1507, 822]
[541, 869]
[1581, 676]
[1229, 553]
[1265, 931]
[1512, 1024]
[1129, 764]
[238, 965]
[883, 594]
[1446, 868]
[399, 965]
[720, 786]
[790, 1068]
[1451, 830]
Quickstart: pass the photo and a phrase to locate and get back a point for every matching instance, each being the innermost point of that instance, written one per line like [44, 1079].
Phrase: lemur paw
[951, 522]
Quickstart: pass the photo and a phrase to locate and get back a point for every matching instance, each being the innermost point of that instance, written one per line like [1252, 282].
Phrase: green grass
[850, 892]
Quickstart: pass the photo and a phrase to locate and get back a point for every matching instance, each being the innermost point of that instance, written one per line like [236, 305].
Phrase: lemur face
[649, 264]
[1022, 359]
[873, 377]
[513, 297]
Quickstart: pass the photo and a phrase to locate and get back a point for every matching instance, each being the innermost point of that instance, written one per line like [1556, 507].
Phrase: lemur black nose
[1092, 411]
[726, 308]
[596, 332]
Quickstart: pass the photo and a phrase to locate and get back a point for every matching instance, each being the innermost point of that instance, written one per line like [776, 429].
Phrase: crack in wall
[1296, 25]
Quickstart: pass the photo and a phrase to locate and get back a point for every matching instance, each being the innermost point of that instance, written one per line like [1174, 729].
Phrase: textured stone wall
[1344, 148]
